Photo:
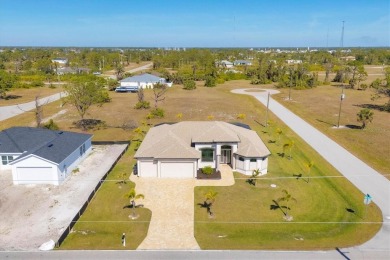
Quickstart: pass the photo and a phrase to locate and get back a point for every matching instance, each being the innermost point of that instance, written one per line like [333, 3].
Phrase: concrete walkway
[360, 174]
[172, 204]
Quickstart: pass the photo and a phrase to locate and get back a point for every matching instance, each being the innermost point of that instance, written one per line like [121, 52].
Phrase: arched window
[207, 154]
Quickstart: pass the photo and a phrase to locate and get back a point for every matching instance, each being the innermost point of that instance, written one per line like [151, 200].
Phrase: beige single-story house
[179, 150]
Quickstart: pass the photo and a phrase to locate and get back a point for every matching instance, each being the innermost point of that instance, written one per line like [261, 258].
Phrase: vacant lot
[320, 107]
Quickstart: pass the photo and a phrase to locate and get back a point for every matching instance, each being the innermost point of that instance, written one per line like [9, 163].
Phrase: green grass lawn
[328, 212]
[102, 224]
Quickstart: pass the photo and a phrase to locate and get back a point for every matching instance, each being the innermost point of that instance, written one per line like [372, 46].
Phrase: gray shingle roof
[146, 77]
[54, 146]
[174, 141]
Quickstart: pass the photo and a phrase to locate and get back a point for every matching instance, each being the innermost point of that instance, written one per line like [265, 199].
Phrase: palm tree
[309, 166]
[288, 146]
[133, 196]
[278, 132]
[210, 197]
[287, 198]
[365, 116]
[255, 173]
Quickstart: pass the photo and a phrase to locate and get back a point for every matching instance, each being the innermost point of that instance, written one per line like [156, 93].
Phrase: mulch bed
[216, 175]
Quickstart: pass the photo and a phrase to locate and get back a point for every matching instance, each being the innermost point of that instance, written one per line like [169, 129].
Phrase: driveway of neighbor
[366, 179]
[172, 204]
[33, 214]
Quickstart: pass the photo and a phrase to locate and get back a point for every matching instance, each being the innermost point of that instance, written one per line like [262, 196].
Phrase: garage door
[147, 169]
[33, 175]
[177, 170]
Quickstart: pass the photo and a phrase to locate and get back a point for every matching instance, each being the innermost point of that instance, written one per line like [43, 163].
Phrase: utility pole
[266, 113]
[342, 96]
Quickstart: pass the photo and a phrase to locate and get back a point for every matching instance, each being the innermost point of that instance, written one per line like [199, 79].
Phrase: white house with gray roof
[179, 150]
[42, 156]
[145, 80]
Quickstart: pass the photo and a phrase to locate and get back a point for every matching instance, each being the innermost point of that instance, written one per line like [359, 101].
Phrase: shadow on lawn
[372, 106]
[206, 205]
[131, 206]
[276, 206]
[299, 176]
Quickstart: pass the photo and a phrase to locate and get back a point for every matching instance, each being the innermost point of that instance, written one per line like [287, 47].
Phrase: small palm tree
[288, 146]
[365, 116]
[210, 197]
[287, 198]
[133, 196]
[255, 173]
[309, 166]
[278, 132]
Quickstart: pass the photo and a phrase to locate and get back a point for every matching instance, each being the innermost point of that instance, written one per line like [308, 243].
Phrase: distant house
[293, 61]
[226, 64]
[60, 61]
[348, 58]
[145, 80]
[242, 63]
[68, 70]
[42, 156]
[179, 150]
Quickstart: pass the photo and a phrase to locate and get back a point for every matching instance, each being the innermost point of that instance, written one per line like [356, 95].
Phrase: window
[6, 159]
[207, 155]
[82, 149]
[253, 160]
[241, 159]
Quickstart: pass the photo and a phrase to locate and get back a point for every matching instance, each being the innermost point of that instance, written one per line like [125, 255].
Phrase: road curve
[365, 178]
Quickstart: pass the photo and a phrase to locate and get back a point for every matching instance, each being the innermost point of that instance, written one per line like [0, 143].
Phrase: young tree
[288, 146]
[159, 91]
[119, 72]
[133, 196]
[84, 92]
[253, 178]
[286, 198]
[365, 116]
[7, 80]
[210, 197]
[382, 88]
[141, 104]
[309, 166]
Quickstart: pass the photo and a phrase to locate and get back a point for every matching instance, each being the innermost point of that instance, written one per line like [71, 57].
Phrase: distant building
[294, 61]
[145, 80]
[60, 61]
[242, 63]
[225, 64]
[348, 58]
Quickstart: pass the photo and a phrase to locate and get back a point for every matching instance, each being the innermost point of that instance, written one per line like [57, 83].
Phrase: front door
[226, 155]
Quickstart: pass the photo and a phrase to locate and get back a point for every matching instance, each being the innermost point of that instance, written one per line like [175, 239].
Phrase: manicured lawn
[329, 211]
[105, 219]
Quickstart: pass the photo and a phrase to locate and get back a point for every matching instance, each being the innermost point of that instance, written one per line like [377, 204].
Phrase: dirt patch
[34, 214]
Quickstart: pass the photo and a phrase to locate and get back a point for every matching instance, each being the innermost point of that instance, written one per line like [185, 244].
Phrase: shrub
[51, 125]
[142, 105]
[210, 82]
[158, 112]
[207, 170]
[241, 116]
[189, 85]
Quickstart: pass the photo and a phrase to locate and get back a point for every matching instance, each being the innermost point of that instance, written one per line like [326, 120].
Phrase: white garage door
[147, 169]
[34, 175]
[177, 170]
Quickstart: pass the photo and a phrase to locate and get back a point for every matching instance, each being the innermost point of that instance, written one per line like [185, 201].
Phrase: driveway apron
[365, 178]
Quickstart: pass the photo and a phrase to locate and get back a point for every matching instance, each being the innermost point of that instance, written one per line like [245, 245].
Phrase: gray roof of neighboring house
[146, 77]
[54, 146]
[175, 141]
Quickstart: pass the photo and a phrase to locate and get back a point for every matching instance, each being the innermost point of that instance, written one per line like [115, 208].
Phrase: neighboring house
[242, 63]
[181, 149]
[60, 61]
[145, 80]
[225, 64]
[348, 58]
[42, 156]
[68, 70]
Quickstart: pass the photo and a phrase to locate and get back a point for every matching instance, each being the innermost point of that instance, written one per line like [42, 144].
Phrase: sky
[195, 23]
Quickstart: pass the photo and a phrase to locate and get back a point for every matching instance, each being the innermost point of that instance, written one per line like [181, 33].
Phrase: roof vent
[60, 133]
[50, 145]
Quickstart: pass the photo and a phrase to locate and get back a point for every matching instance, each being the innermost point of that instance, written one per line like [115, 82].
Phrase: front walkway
[172, 204]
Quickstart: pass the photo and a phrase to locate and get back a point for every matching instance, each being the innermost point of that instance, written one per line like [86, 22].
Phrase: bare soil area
[34, 214]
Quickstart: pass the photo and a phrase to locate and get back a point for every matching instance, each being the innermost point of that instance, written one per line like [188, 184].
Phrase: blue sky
[190, 23]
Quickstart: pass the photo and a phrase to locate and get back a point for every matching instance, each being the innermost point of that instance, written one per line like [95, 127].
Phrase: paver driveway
[172, 204]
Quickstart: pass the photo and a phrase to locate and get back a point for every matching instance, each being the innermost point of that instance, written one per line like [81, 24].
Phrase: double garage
[167, 168]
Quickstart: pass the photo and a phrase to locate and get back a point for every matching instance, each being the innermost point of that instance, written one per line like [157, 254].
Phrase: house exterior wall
[35, 165]
[71, 162]
[143, 84]
[199, 147]
[246, 166]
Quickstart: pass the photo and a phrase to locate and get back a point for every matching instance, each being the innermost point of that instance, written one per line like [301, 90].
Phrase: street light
[342, 96]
